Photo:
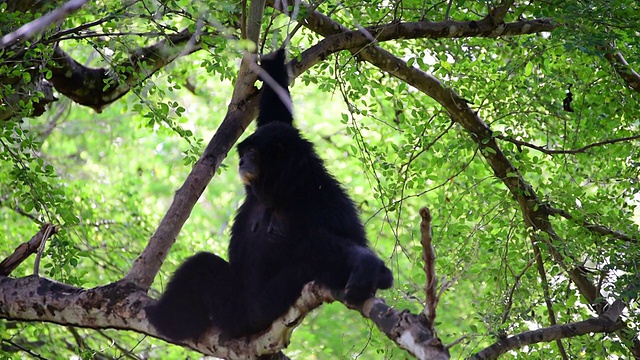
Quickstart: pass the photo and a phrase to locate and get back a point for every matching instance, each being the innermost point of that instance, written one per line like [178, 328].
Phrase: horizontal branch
[581, 150]
[491, 26]
[451, 29]
[607, 323]
[121, 305]
[33, 298]
[358, 39]
[595, 228]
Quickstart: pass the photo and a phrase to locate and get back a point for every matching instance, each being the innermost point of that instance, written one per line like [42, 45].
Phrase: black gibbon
[296, 225]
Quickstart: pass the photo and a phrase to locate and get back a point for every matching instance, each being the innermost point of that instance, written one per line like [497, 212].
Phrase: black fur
[272, 109]
[296, 225]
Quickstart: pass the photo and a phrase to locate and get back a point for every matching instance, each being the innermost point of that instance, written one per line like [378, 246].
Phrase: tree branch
[338, 37]
[546, 292]
[429, 258]
[581, 150]
[605, 323]
[622, 68]
[243, 108]
[532, 208]
[32, 298]
[24, 250]
[121, 305]
[595, 228]
[99, 87]
[37, 26]
[491, 26]
[498, 13]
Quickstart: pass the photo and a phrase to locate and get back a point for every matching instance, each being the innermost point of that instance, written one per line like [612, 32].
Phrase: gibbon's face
[248, 165]
[276, 163]
[265, 154]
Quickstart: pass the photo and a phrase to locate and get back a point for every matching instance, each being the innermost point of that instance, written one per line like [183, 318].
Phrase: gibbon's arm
[272, 107]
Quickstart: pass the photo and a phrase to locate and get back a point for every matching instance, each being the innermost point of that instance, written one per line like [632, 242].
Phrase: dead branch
[429, 258]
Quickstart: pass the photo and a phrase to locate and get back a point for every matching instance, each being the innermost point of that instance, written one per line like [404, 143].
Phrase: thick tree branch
[450, 29]
[491, 26]
[121, 305]
[338, 37]
[99, 87]
[255, 20]
[32, 298]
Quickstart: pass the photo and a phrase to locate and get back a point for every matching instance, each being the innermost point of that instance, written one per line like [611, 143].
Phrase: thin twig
[447, 14]
[595, 228]
[574, 151]
[50, 229]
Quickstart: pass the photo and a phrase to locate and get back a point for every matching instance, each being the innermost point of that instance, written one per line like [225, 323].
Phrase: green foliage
[106, 179]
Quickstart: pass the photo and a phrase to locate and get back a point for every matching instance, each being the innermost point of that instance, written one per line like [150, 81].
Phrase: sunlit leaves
[107, 178]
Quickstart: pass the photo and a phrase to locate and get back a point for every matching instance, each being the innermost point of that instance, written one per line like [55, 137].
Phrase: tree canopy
[515, 123]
